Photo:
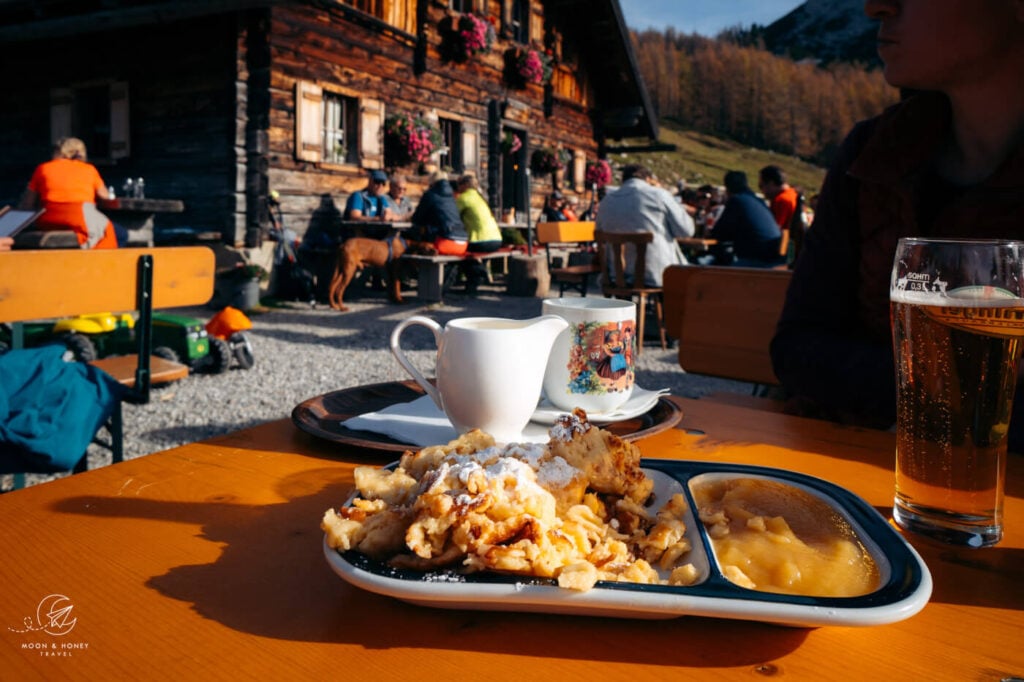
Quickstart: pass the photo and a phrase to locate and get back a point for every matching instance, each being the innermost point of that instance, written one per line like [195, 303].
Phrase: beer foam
[963, 297]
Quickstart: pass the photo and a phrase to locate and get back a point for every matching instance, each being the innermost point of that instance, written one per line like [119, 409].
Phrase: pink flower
[599, 173]
[532, 67]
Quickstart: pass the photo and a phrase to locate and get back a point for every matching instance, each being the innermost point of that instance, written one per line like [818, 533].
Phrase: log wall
[212, 105]
[323, 45]
[182, 102]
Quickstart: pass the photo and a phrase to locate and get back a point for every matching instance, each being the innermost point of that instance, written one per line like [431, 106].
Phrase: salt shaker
[128, 188]
[140, 188]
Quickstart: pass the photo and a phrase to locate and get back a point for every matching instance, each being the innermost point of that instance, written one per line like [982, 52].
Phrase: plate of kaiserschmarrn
[582, 525]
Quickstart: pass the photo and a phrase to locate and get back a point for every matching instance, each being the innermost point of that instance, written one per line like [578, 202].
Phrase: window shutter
[579, 170]
[309, 121]
[119, 121]
[62, 103]
[371, 133]
[471, 146]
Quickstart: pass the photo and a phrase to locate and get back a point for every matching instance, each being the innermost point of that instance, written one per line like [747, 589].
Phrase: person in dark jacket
[436, 218]
[747, 226]
[947, 161]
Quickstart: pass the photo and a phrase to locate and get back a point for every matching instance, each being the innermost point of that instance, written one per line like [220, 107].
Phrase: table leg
[431, 281]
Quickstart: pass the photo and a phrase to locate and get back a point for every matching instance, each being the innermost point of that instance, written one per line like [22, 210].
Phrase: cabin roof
[607, 48]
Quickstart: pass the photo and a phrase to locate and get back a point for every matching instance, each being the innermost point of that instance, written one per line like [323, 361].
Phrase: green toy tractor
[184, 339]
[87, 337]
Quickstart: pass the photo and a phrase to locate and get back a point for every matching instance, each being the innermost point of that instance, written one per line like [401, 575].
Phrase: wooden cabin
[218, 102]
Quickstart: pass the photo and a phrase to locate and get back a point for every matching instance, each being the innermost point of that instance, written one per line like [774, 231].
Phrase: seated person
[436, 218]
[639, 206]
[484, 235]
[370, 205]
[748, 226]
[67, 187]
[399, 204]
[570, 208]
[553, 208]
[947, 161]
[482, 228]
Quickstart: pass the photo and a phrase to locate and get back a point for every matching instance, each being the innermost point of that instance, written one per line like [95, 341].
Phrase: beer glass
[957, 325]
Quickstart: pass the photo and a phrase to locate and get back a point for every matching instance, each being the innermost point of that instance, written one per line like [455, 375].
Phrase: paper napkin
[421, 423]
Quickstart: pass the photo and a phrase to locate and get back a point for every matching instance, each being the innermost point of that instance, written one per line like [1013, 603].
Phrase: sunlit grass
[704, 159]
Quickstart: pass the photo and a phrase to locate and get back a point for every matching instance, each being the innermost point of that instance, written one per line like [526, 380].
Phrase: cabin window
[337, 127]
[451, 153]
[399, 13]
[97, 114]
[372, 7]
[341, 123]
[462, 5]
[519, 21]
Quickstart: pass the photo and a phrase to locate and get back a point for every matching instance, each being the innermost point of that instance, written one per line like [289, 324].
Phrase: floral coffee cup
[591, 365]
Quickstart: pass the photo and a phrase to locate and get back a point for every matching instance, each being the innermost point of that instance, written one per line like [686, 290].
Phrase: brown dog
[359, 252]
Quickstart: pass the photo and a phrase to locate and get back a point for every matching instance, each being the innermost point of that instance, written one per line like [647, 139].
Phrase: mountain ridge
[825, 31]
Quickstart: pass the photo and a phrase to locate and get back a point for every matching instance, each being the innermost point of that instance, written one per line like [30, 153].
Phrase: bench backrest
[62, 283]
[565, 232]
[724, 318]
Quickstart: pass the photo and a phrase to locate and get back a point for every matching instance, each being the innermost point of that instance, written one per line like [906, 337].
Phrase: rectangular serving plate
[904, 588]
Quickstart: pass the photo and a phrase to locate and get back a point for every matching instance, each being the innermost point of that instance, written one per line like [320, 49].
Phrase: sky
[706, 17]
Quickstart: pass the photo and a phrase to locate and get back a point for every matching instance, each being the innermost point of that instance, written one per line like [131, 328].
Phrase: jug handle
[396, 350]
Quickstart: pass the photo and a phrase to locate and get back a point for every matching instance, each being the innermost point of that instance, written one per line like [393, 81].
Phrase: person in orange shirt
[67, 187]
[783, 201]
[782, 198]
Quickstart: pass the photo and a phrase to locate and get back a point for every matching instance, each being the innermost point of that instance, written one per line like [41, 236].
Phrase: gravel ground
[302, 352]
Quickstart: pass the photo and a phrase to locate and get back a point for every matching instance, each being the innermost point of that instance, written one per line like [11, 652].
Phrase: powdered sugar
[556, 473]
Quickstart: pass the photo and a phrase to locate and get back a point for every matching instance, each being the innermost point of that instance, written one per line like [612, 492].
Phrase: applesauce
[775, 537]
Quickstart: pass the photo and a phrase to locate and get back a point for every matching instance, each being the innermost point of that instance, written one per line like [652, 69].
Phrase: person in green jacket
[482, 228]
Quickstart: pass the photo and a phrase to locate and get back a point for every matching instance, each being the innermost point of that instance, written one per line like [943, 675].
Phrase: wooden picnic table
[136, 215]
[374, 229]
[694, 247]
[205, 561]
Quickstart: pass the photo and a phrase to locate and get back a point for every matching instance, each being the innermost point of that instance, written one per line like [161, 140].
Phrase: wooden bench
[724, 319]
[433, 280]
[36, 285]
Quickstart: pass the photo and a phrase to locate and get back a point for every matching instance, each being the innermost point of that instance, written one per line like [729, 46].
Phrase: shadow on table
[272, 580]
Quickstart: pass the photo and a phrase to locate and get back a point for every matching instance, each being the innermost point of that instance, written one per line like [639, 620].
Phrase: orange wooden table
[205, 562]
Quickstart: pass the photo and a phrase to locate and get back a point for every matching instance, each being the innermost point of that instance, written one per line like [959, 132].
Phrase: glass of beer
[957, 311]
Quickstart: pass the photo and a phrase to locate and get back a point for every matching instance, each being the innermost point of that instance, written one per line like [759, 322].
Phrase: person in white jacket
[639, 206]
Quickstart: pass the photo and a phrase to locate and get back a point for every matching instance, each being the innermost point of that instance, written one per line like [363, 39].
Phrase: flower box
[545, 161]
[409, 139]
[524, 66]
[464, 35]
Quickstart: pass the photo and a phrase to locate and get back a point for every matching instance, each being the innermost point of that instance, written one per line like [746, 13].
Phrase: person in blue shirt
[748, 226]
[368, 203]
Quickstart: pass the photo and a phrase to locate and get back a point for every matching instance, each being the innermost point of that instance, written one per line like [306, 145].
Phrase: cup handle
[396, 350]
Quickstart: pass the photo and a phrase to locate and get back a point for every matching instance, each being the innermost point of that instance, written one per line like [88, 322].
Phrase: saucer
[326, 417]
[639, 402]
